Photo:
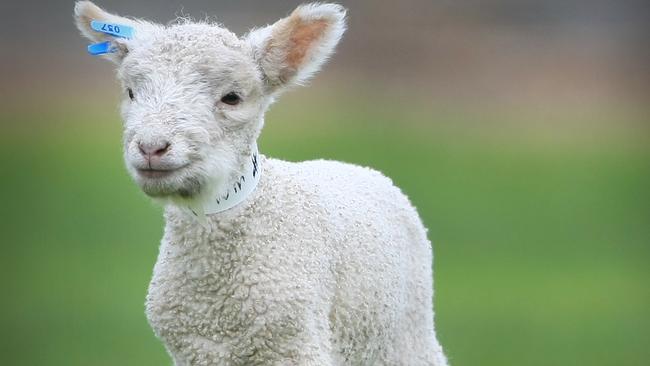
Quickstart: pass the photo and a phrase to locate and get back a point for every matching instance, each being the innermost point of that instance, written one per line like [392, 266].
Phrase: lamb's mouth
[153, 173]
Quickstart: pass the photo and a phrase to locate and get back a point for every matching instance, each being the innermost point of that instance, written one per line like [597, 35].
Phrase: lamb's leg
[310, 347]
[196, 350]
[306, 360]
[309, 355]
[179, 362]
[290, 340]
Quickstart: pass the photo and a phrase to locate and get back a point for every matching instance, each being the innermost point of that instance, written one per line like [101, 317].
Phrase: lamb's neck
[233, 193]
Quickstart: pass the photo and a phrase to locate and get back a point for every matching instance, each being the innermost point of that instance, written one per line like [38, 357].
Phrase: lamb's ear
[293, 49]
[85, 12]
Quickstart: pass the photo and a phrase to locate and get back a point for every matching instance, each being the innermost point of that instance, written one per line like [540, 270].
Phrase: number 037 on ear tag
[116, 30]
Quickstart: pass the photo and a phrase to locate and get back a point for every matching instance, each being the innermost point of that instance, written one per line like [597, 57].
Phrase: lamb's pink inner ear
[295, 39]
[291, 51]
[303, 36]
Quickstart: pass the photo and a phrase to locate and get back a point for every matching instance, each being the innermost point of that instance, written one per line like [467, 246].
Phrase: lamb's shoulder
[357, 210]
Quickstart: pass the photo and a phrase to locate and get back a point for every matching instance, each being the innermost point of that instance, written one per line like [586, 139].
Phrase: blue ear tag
[101, 48]
[116, 30]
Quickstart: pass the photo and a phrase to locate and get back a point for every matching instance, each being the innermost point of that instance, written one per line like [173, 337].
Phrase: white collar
[235, 192]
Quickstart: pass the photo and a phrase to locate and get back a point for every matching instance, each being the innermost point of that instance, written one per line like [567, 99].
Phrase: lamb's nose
[149, 150]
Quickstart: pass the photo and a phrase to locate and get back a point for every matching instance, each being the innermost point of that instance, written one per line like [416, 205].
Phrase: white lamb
[263, 262]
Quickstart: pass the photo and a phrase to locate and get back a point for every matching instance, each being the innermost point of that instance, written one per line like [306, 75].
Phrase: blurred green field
[541, 234]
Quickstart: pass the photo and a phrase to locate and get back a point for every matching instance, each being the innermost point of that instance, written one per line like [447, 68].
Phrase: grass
[541, 236]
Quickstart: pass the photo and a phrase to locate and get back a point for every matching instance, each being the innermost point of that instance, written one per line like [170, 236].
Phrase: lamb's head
[195, 94]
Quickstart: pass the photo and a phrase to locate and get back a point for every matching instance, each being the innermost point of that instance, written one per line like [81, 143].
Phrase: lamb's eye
[128, 90]
[231, 98]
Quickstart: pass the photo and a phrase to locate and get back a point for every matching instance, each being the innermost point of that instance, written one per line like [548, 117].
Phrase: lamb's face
[193, 103]
[195, 94]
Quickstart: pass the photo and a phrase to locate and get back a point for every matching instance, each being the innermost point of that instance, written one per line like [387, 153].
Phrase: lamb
[262, 261]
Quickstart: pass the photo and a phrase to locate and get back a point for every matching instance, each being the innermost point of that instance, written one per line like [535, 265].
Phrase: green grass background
[540, 223]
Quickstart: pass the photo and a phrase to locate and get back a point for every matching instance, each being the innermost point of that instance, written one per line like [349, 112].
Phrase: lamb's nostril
[154, 149]
[161, 151]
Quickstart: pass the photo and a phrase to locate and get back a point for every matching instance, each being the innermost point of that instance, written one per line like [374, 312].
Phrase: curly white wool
[325, 263]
